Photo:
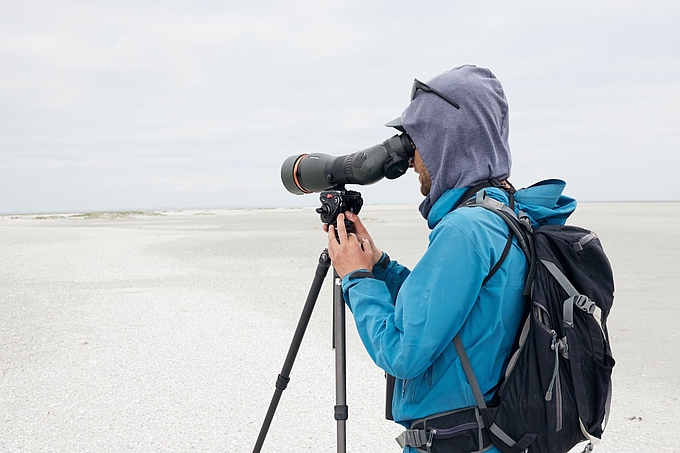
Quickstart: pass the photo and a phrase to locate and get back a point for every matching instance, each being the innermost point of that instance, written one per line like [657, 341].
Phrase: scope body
[316, 172]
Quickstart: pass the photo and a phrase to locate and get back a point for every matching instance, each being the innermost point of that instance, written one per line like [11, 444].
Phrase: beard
[425, 183]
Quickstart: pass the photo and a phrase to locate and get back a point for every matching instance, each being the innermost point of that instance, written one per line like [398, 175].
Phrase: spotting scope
[316, 172]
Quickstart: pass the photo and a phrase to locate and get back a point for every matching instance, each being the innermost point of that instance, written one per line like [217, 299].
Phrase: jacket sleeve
[405, 337]
[391, 273]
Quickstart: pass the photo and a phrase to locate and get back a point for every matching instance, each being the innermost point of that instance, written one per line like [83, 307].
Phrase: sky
[136, 105]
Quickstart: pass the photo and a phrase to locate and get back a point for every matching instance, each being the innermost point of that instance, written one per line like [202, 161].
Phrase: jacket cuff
[358, 274]
[380, 267]
[384, 261]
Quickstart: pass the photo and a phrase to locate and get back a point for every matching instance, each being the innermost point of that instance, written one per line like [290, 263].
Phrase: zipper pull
[553, 346]
[428, 444]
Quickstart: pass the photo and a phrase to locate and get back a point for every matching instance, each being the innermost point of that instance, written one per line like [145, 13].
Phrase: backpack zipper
[558, 404]
[555, 383]
[553, 346]
[440, 432]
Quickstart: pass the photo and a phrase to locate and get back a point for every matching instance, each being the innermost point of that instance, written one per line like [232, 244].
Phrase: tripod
[283, 378]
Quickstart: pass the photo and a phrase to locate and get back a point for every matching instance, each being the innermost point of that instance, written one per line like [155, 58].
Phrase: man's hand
[351, 251]
[362, 234]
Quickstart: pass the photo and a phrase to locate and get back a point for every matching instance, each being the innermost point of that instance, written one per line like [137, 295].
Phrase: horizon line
[234, 208]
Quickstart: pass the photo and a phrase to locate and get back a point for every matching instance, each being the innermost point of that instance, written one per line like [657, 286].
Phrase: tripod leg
[283, 378]
[341, 409]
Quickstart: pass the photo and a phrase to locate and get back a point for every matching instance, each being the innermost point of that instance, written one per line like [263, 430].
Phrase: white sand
[166, 333]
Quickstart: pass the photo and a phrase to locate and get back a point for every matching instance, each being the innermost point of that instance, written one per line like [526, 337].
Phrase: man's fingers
[358, 226]
[332, 238]
[342, 231]
[366, 247]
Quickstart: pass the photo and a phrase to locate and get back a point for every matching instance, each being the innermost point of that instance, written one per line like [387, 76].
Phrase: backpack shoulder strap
[520, 226]
[499, 263]
[472, 379]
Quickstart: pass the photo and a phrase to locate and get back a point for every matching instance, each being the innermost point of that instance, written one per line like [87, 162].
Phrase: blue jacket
[407, 319]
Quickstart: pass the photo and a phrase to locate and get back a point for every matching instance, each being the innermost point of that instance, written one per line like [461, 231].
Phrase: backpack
[556, 391]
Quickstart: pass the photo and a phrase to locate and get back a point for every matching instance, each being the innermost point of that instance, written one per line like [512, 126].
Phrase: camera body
[335, 202]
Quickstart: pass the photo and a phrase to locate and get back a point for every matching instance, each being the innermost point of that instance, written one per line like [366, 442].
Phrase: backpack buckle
[585, 304]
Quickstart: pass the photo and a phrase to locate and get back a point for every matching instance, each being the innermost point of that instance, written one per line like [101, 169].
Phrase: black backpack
[557, 388]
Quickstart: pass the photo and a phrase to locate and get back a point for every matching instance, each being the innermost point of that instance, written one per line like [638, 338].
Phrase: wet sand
[165, 332]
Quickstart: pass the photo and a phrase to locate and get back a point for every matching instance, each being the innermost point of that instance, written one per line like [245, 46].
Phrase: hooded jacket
[407, 319]
[460, 147]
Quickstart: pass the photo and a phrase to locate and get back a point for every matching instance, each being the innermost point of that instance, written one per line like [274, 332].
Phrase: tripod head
[336, 201]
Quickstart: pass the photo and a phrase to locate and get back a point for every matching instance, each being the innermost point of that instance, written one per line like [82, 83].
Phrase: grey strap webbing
[575, 298]
[413, 438]
[505, 212]
[578, 246]
[495, 429]
[519, 225]
[468, 372]
[509, 441]
[607, 408]
[561, 279]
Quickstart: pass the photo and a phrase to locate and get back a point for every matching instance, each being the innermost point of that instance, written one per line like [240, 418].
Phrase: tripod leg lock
[324, 264]
[282, 382]
[341, 412]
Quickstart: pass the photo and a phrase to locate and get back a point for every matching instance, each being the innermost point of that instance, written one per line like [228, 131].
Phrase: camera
[316, 172]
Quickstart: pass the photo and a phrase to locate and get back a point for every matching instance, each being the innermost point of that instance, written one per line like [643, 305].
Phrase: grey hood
[460, 147]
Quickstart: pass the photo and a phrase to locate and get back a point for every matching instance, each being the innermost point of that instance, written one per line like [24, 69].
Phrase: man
[407, 319]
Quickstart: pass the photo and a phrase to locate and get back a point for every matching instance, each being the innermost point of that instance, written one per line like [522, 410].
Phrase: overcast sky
[126, 105]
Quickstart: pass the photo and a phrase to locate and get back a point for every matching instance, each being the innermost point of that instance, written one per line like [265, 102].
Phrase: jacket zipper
[406, 381]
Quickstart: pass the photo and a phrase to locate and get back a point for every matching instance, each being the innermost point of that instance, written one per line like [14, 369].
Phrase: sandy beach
[165, 331]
